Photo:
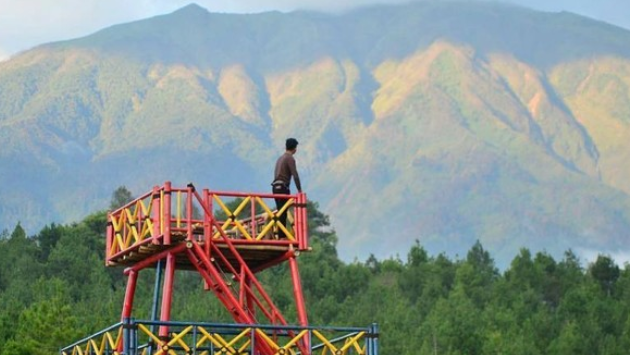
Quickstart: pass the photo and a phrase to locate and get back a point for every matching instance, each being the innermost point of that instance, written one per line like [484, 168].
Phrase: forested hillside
[54, 289]
[442, 121]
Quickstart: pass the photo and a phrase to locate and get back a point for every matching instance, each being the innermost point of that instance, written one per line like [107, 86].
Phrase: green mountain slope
[445, 122]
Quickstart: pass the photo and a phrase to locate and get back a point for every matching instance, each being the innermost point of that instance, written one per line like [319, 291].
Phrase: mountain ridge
[413, 129]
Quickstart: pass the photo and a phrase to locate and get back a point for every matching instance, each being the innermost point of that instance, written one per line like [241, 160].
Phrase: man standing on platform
[285, 169]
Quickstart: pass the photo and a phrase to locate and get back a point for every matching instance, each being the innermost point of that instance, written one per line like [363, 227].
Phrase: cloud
[621, 257]
[4, 55]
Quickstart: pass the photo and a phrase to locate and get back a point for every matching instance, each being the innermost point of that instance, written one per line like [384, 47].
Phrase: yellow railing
[131, 225]
[105, 342]
[260, 226]
[139, 337]
[165, 212]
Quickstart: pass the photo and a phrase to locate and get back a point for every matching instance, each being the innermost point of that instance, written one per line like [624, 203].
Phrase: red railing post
[301, 222]
[305, 220]
[166, 219]
[252, 221]
[155, 214]
[109, 236]
[189, 212]
[298, 221]
[207, 230]
[210, 215]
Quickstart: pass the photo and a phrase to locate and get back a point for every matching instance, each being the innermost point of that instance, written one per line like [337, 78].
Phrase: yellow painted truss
[207, 342]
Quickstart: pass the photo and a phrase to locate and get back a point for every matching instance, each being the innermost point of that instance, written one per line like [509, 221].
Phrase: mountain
[446, 122]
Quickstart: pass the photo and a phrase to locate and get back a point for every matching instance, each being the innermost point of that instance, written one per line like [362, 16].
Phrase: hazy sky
[27, 23]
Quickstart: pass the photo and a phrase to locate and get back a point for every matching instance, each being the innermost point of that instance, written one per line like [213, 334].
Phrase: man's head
[291, 144]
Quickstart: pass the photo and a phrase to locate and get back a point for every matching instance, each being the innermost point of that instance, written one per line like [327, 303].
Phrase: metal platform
[256, 254]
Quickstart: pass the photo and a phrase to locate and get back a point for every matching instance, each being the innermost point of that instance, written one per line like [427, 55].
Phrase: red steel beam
[130, 292]
[154, 258]
[167, 293]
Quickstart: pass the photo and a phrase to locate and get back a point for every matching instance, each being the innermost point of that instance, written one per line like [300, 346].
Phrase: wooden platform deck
[255, 254]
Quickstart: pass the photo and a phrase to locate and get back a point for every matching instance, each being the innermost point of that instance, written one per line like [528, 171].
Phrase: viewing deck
[256, 254]
[239, 225]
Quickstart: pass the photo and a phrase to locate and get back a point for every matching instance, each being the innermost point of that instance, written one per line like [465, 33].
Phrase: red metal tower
[173, 229]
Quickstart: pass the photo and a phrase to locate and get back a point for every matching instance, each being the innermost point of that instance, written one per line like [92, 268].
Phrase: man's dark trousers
[280, 189]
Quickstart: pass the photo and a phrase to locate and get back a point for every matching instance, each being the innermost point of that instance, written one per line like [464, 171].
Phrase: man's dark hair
[292, 143]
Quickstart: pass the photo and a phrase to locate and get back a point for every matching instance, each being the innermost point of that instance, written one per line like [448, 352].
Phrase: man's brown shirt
[285, 169]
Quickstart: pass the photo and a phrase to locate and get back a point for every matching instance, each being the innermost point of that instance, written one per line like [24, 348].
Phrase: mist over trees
[54, 290]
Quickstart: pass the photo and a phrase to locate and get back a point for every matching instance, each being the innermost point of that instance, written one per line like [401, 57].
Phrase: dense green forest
[54, 289]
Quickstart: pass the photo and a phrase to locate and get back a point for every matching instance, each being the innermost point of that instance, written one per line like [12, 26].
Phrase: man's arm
[296, 177]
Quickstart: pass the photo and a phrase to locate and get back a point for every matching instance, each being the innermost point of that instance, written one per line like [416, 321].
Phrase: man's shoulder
[287, 156]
